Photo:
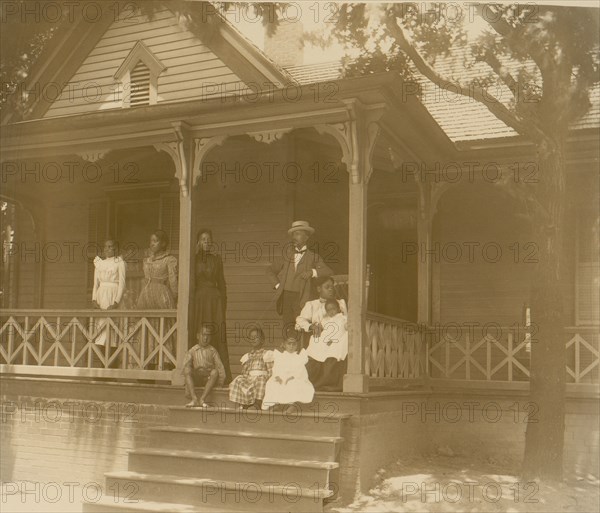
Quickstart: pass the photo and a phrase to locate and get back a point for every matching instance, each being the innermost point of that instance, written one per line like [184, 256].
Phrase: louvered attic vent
[138, 74]
[140, 85]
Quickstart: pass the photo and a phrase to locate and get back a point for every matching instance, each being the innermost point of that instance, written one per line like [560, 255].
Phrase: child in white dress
[332, 341]
[289, 382]
[109, 285]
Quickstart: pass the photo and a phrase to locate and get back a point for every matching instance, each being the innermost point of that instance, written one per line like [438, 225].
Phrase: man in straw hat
[292, 274]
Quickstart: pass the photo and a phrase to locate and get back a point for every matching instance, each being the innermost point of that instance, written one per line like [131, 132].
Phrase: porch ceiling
[405, 120]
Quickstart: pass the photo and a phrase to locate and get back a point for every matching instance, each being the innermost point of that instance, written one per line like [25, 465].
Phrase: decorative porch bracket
[202, 146]
[180, 153]
[269, 136]
[92, 156]
[357, 137]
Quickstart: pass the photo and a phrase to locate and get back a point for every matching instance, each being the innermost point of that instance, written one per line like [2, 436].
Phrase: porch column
[186, 280]
[355, 379]
[357, 137]
[181, 151]
[424, 269]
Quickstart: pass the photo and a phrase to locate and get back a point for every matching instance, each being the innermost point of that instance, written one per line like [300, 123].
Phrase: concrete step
[232, 467]
[109, 505]
[220, 495]
[306, 422]
[285, 445]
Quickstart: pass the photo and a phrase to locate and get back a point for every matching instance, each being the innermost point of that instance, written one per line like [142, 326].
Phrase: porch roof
[290, 107]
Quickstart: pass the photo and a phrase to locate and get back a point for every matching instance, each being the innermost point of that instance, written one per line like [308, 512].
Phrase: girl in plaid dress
[248, 389]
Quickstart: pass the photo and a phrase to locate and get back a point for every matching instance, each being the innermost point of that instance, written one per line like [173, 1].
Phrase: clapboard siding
[482, 291]
[65, 277]
[191, 67]
[193, 63]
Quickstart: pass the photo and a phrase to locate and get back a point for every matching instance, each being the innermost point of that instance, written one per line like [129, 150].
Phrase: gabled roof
[63, 57]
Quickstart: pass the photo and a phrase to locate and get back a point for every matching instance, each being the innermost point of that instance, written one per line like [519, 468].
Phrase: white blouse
[109, 271]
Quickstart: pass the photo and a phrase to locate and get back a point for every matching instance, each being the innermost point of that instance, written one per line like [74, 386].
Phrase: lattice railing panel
[393, 348]
[63, 338]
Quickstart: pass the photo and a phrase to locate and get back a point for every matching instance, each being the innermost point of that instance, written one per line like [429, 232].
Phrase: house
[135, 123]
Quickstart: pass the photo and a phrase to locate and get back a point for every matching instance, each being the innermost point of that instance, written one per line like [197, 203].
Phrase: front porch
[416, 313]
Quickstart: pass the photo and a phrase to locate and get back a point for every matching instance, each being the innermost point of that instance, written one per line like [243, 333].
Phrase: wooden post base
[356, 383]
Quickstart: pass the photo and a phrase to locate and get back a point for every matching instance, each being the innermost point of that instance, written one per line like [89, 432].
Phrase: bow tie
[300, 251]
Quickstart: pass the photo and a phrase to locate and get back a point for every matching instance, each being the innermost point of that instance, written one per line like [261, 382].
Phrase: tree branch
[475, 92]
[510, 33]
[493, 62]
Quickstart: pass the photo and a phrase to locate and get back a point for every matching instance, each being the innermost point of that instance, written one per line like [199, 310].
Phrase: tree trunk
[544, 439]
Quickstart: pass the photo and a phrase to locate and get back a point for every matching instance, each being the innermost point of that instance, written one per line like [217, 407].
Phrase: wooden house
[136, 123]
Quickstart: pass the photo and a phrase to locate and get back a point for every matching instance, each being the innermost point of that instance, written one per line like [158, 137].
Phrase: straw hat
[301, 226]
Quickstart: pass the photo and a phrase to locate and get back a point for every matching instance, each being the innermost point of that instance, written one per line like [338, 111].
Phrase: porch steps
[230, 460]
[210, 441]
[108, 505]
[229, 466]
[218, 495]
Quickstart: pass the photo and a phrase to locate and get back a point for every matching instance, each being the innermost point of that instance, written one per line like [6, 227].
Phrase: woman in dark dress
[211, 295]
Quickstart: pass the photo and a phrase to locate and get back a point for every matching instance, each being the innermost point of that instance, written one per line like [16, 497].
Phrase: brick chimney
[285, 45]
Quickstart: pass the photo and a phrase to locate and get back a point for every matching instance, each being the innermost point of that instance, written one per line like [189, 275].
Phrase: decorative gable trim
[140, 52]
[139, 76]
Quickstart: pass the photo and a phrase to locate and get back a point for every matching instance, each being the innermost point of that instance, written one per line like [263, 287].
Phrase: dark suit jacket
[278, 270]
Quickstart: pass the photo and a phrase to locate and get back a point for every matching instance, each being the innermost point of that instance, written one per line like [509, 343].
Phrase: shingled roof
[462, 118]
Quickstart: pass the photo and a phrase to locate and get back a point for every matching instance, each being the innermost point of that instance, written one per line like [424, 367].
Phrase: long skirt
[105, 297]
[209, 309]
[327, 375]
[154, 296]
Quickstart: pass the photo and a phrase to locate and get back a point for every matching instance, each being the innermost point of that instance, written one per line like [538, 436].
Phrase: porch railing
[394, 348]
[402, 351]
[92, 343]
[493, 353]
[583, 364]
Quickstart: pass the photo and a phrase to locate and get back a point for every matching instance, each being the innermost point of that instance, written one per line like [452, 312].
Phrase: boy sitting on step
[202, 367]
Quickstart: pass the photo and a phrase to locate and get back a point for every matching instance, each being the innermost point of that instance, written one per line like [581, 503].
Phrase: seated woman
[327, 363]
[248, 389]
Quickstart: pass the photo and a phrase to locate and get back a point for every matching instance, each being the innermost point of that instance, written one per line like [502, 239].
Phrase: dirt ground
[448, 483]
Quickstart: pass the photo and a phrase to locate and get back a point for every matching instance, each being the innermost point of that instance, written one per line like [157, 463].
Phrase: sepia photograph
[296, 257]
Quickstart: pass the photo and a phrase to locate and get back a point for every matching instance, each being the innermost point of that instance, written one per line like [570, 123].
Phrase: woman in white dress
[109, 285]
[327, 363]
[289, 382]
